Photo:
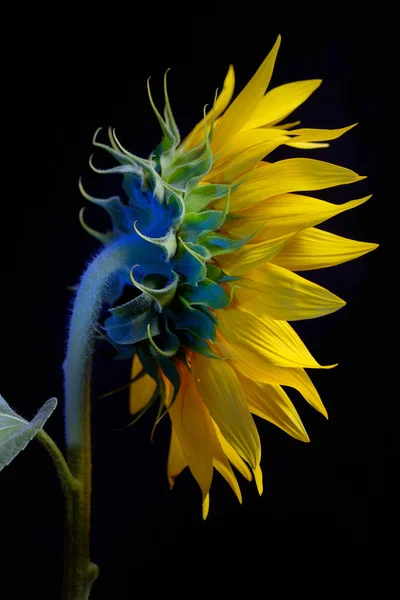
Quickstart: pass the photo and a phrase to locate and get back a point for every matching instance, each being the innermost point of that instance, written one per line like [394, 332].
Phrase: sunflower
[216, 235]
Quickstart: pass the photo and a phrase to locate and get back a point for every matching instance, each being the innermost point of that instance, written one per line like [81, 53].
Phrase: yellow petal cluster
[260, 353]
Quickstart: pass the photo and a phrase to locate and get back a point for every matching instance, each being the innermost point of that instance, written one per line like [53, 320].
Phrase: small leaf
[207, 293]
[220, 244]
[185, 317]
[195, 223]
[189, 263]
[16, 432]
[201, 196]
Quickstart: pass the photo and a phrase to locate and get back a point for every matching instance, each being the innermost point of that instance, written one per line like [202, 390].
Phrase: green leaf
[201, 196]
[16, 432]
[195, 223]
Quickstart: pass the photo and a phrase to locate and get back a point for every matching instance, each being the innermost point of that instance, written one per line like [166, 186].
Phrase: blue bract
[173, 282]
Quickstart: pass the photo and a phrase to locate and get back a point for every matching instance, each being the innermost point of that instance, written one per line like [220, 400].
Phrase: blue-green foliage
[174, 284]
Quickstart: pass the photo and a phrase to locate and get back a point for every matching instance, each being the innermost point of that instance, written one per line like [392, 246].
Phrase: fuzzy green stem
[79, 572]
[68, 482]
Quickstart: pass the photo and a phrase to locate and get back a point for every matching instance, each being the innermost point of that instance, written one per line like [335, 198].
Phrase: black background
[325, 511]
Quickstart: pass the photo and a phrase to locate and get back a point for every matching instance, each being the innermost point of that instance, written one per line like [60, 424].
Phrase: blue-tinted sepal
[216, 274]
[188, 172]
[169, 140]
[206, 293]
[129, 322]
[162, 296]
[189, 263]
[194, 224]
[185, 317]
[165, 344]
[172, 374]
[221, 244]
[120, 214]
[166, 242]
[196, 344]
[105, 238]
[199, 198]
[176, 208]
[168, 115]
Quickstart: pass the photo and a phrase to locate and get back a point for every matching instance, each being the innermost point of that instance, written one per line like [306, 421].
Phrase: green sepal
[218, 244]
[120, 170]
[112, 205]
[189, 263]
[195, 223]
[169, 117]
[202, 308]
[198, 250]
[181, 158]
[181, 176]
[176, 208]
[129, 322]
[216, 274]
[133, 307]
[162, 296]
[104, 238]
[167, 242]
[122, 157]
[168, 140]
[200, 346]
[189, 168]
[185, 317]
[199, 198]
[207, 293]
[159, 186]
[168, 339]
[172, 374]
[204, 222]
[148, 361]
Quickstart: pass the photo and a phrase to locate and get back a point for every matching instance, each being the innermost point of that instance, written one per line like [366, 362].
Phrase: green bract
[172, 281]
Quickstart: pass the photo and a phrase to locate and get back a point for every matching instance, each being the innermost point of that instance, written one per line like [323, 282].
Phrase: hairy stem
[68, 482]
[79, 572]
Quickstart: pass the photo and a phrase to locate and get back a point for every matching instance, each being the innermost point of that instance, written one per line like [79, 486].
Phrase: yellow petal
[176, 459]
[281, 101]
[251, 256]
[242, 163]
[267, 373]
[191, 423]
[245, 150]
[264, 340]
[221, 463]
[246, 139]
[245, 104]
[315, 249]
[220, 389]
[307, 145]
[233, 456]
[271, 403]
[280, 294]
[319, 135]
[223, 99]
[206, 506]
[140, 390]
[287, 125]
[259, 479]
[291, 175]
[284, 214]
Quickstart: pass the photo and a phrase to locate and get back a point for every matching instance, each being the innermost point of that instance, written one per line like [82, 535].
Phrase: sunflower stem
[79, 571]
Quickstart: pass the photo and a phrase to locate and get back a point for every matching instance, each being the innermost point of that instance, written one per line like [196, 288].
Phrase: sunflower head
[217, 232]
